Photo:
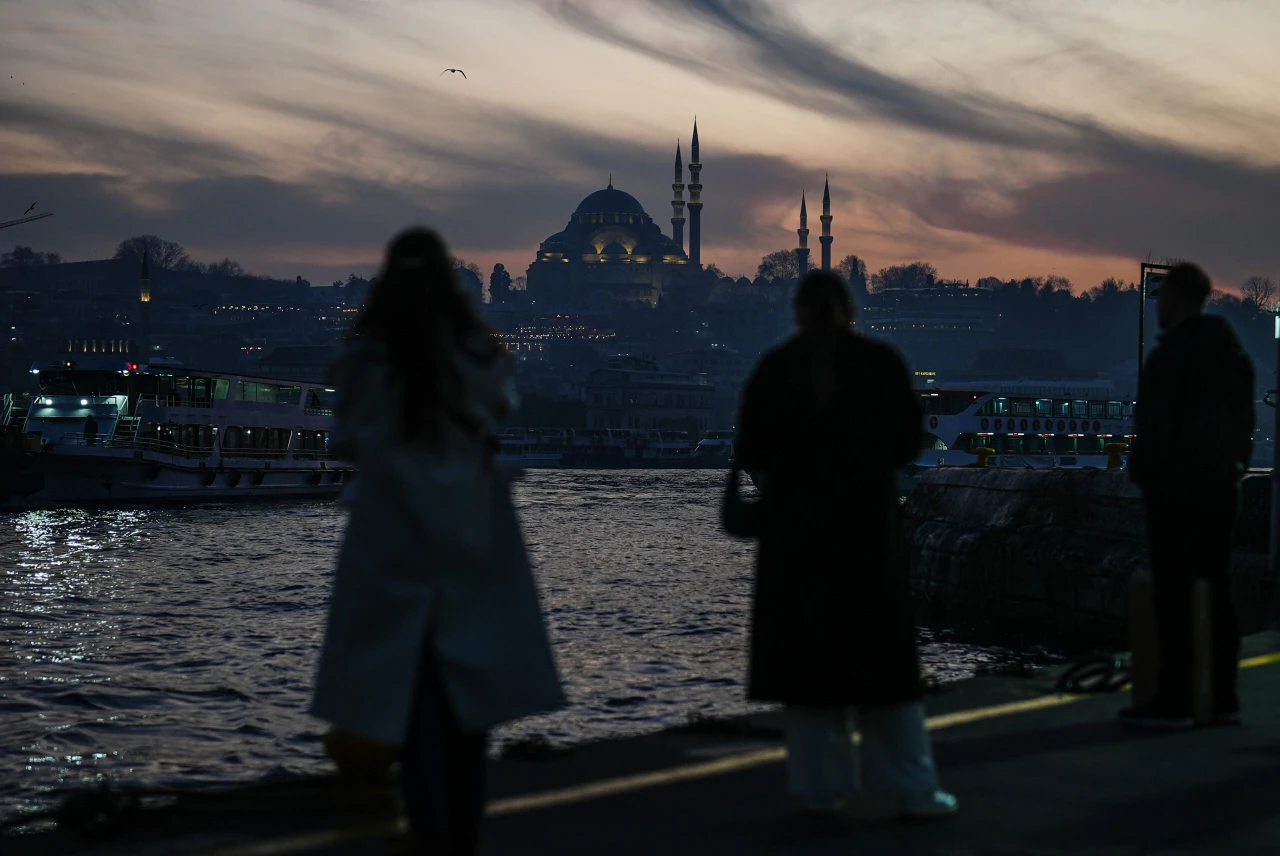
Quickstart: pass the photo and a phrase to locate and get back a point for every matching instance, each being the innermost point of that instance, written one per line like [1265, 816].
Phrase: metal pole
[1142, 327]
[1275, 465]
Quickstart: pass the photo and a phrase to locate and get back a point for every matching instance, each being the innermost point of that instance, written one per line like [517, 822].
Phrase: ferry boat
[715, 449]
[1022, 431]
[523, 448]
[113, 432]
[595, 448]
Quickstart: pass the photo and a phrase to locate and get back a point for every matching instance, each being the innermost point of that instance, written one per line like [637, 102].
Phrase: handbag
[740, 518]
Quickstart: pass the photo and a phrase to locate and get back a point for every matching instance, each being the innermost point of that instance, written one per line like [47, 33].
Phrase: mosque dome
[609, 201]
[614, 249]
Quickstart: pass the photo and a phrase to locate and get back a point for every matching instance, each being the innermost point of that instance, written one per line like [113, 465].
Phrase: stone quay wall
[1048, 553]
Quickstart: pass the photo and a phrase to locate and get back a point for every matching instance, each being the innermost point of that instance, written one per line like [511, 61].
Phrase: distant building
[633, 392]
[529, 333]
[612, 252]
[940, 326]
[724, 369]
[297, 362]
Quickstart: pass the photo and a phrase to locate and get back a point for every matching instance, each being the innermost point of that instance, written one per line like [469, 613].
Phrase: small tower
[695, 201]
[677, 202]
[802, 252]
[144, 306]
[825, 237]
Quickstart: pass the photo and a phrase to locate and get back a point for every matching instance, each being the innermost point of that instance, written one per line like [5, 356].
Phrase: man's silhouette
[1194, 426]
[90, 431]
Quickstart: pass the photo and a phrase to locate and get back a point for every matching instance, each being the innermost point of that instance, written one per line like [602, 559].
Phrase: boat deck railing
[175, 401]
[259, 454]
[141, 444]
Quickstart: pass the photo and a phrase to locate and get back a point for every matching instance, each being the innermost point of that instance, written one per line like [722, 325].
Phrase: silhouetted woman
[435, 633]
[826, 419]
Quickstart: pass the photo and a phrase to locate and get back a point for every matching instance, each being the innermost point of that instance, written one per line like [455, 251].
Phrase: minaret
[695, 201]
[144, 307]
[677, 203]
[802, 252]
[825, 237]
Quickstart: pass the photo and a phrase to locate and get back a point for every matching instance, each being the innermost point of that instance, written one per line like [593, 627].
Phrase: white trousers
[896, 755]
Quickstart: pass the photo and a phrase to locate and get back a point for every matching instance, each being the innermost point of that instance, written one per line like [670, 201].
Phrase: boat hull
[125, 477]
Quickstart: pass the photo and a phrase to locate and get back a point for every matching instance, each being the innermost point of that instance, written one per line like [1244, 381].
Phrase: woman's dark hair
[417, 311]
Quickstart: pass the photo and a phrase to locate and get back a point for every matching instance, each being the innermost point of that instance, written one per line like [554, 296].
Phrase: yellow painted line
[1263, 660]
[284, 846]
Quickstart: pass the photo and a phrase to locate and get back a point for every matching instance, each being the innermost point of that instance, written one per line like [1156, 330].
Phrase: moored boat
[104, 432]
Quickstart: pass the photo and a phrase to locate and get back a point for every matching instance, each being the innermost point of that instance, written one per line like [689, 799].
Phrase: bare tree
[1262, 291]
[914, 275]
[160, 253]
[780, 264]
[26, 257]
[854, 270]
[226, 267]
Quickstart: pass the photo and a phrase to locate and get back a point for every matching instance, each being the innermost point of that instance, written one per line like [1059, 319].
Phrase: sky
[992, 138]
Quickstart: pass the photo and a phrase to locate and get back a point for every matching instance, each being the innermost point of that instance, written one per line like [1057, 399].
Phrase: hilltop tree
[22, 256]
[914, 275]
[226, 267]
[1261, 291]
[780, 264]
[462, 264]
[168, 255]
[854, 270]
[499, 284]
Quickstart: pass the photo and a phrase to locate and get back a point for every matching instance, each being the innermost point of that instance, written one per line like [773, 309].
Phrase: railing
[145, 444]
[318, 411]
[313, 455]
[175, 401]
[257, 454]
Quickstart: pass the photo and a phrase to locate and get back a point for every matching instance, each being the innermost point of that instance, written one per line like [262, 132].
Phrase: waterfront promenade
[1036, 773]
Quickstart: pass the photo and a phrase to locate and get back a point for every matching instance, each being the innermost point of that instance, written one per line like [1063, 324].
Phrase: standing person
[435, 634]
[90, 431]
[1194, 426]
[827, 418]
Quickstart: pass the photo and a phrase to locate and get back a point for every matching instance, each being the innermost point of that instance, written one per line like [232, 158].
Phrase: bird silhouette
[455, 71]
[200, 306]
[29, 210]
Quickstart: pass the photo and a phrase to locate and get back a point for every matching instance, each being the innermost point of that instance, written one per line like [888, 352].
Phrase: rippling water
[166, 647]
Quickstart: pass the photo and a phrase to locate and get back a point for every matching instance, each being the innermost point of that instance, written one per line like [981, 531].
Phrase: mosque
[612, 252]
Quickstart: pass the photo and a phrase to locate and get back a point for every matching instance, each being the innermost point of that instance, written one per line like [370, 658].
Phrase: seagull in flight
[29, 210]
[200, 306]
[455, 71]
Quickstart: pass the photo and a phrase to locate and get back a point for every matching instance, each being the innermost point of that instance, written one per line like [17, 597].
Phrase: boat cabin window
[1096, 409]
[1128, 410]
[1061, 408]
[1002, 407]
[72, 382]
[1114, 410]
[1080, 409]
[268, 393]
[221, 387]
[1044, 407]
[1022, 407]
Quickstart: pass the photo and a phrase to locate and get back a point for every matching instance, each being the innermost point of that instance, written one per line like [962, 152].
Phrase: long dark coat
[826, 420]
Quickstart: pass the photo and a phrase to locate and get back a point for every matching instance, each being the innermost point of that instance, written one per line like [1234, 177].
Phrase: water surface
[166, 647]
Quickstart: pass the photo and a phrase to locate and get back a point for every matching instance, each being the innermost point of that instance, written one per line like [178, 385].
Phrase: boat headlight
[48, 401]
[84, 402]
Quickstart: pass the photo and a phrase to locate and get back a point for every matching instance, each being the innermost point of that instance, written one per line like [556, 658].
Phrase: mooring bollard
[984, 456]
[1115, 453]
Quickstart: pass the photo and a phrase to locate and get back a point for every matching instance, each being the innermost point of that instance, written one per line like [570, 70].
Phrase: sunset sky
[990, 138]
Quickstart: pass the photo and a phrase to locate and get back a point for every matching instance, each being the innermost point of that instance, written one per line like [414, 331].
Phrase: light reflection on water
[165, 647]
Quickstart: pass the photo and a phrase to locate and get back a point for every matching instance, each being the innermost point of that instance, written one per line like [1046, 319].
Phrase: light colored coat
[433, 548]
